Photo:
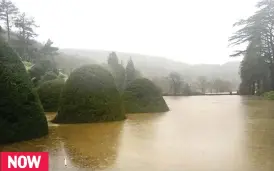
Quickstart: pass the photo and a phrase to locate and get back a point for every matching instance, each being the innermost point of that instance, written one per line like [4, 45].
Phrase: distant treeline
[174, 84]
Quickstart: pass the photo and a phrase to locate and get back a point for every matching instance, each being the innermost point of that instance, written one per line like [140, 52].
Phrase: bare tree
[176, 82]
[202, 83]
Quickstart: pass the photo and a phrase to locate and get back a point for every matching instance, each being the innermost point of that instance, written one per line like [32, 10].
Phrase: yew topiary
[49, 94]
[21, 114]
[90, 95]
[142, 96]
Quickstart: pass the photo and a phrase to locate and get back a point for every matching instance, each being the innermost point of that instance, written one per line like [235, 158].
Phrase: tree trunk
[253, 88]
[266, 83]
[249, 89]
[8, 27]
[271, 77]
[174, 88]
[259, 88]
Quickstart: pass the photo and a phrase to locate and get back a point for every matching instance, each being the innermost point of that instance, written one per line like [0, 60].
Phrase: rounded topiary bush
[90, 95]
[49, 93]
[142, 96]
[21, 113]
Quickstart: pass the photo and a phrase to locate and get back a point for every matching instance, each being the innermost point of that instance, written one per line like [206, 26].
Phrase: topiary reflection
[91, 145]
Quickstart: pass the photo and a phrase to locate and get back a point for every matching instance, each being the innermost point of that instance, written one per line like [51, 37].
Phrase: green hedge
[41, 67]
[49, 93]
[269, 95]
[90, 95]
[21, 113]
[142, 96]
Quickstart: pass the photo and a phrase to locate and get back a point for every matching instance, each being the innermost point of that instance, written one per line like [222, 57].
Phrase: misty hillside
[151, 66]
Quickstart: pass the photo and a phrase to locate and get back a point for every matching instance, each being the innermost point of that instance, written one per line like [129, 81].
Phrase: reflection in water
[47, 143]
[91, 145]
[259, 133]
[203, 133]
[143, 126]
[199, 133]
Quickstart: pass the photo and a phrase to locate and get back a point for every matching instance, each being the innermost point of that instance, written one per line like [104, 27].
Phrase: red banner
[24, 161]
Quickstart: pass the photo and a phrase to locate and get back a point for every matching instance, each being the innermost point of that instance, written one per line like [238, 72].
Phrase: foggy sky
[192, 31]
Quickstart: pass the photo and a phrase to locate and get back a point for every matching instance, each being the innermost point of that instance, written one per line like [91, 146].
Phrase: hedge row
[49, 93]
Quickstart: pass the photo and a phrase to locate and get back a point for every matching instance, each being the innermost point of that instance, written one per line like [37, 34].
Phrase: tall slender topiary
[21, 114]
[90, 95]
[142, 96]
[130, 72]
[49, 94]
[117, 70]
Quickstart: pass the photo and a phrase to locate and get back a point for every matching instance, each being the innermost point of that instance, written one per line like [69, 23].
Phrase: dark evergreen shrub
[50, 75]
[142, 96]
[41, 67]
[90, 95]
[49, 93]
[21, 113]
[118, 73]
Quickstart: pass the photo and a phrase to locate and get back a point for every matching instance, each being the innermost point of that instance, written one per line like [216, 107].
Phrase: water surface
[201, 133]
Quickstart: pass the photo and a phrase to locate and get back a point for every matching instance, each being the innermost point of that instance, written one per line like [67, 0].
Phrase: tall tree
[130, 72]
[48, 53]
[253, 71]
[176, 82]
[113, 59]
[117, 71]
[186, 90]
[220, 86]
[202, 83]
[8, 12]
[48, 50]
[26, 33]
[258, 32]
[44, 62]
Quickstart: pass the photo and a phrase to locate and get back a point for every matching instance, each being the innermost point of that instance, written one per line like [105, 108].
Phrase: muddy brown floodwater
[206, 133]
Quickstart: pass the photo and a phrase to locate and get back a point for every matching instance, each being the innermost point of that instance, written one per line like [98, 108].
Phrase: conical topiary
[21, 114]
[142, 96]
[90, 95]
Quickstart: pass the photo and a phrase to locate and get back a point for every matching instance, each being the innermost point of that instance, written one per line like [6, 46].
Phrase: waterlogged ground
[206, 133]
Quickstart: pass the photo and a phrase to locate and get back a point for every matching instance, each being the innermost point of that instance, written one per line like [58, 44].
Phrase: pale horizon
[185, 31]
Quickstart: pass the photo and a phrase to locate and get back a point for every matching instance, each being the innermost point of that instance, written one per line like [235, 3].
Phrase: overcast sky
[192, 31]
